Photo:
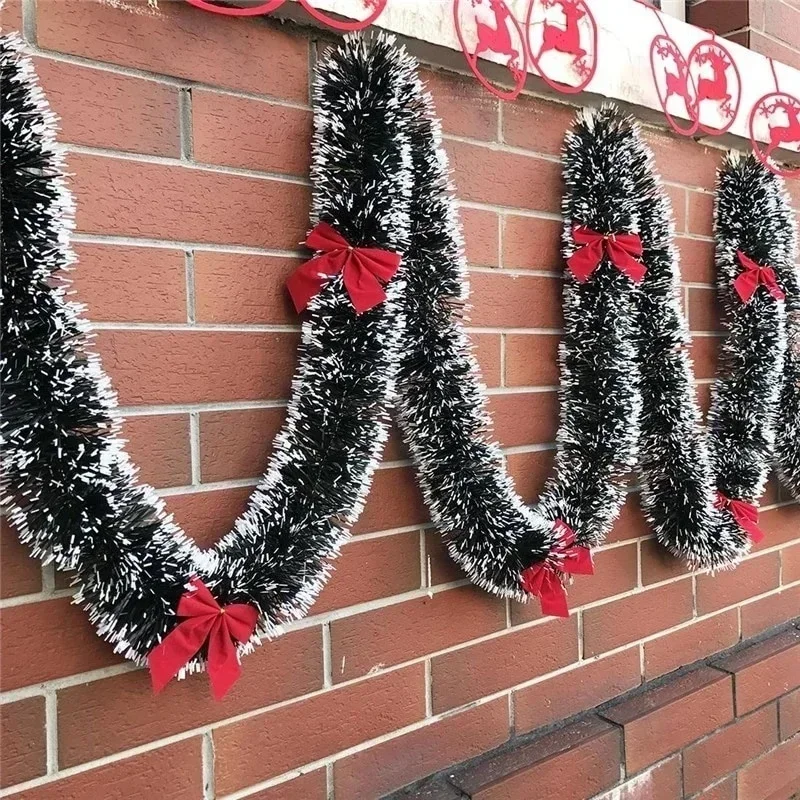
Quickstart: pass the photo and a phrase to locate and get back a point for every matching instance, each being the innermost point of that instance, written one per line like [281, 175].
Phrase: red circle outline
[359, 25]
[756, 145]
[670, 119]
[695, 110]
[227, 11]
[473, 65]
[564, 88]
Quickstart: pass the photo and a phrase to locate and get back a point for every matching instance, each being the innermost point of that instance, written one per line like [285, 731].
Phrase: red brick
[404, 631]
[251, 134]
[38, 630]
[591, 684]
[237, 444]
[486, 347]
[174, 772]
[615, 571]
[696, 260]
[764, 670]
[20, 573]
[789, 714]
[532, 359]
[463, 106]
[621, 621]
[662, 720]
[704, 309]
[130, 284]
[677, 201]
[400, 761]
[22, 731]
[524, 418]
[698, 640]
[724, 790]
[514, 301]
[683, 161]
[752, 577]
[775, 609]
[517, 656]
[121, 197]
[658, 564]
[729, 748]
[775, 775]
[394, 501]
[661, 782]
[98, 108]
[181, 41]
[11, 16]
[631, 523]
[207, 516]
[700, 220]
[532, 243]
[529, 471]
[481, 237]
[311, 786]
[537, 125]
[721, 16]
[505, 179]
[780, 525]
[149, 367]
[121, 712]
[159, 446]
[783, 22]
[370, 569]
[790, 564]
[248, 289]
[587, 751]
[272, 743]
[440, 567]
[773, 49]
[703, 351]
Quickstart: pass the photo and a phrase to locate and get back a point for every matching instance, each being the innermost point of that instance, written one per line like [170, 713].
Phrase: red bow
[746, 514]
[204, 620]
[622, 249]
[747, 282]
[545, 578]
[364, 270]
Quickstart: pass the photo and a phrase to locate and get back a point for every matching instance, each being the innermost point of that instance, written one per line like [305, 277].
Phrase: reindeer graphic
[497, 39]
[783, 134]
[677, 84]
[568, 39]
[715, 88]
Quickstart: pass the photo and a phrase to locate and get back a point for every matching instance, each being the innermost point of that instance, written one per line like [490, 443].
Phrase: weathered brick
[463, 106]
[658, 564]
[532, 359]
[696, 261]
[311, 786]
[704, 310]
[269, 744]
[487, 349]
[535, 124]
[590, 684]
[662, 720]
[394, 501]
[752, 577]
[159, 446]
[683, 161]
[472, 672]
[507, 300]
[207, 516]
[790, 564]
[532, 243]
[392, 764]
[524, 418]
[403, 631]
[729, 748]
[20, 573]
[770, 611]
[773, 776]
[789, 714]
[765, 670]
[530, 471]
[661, 782]
[700, 220]
[481, 237]
[22, 731]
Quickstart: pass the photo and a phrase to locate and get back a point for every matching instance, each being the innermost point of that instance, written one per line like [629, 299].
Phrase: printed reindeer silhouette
[783, 134]
[564, 40]
[497, 39]
[677, 84]
[715, 88]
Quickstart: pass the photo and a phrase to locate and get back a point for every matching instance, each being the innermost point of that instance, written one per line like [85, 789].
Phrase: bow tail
[176, 649]
[364, 288]
[224, 668]
[625, 262]
[746, 284]
[307, 280]
[578, 561]
[553, 596]
[584, 261]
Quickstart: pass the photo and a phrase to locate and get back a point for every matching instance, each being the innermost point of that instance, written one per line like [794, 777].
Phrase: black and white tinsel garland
[69, 488]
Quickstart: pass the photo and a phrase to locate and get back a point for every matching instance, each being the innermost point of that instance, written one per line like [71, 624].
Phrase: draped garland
[385, 299]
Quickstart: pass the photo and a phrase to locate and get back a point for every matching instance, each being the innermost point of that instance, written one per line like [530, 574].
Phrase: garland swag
[626, 393]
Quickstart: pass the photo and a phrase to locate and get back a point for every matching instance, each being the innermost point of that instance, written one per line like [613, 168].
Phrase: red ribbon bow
[746, 514]
[204, 620]
[754, 274]
[545, 579]
[364, 270]
[622, 249]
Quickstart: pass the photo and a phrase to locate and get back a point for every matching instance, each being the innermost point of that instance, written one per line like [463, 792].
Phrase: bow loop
[752, 275]
[545, 579]
[623, 250]
[364, 270]
[204, 621]
[745, 514]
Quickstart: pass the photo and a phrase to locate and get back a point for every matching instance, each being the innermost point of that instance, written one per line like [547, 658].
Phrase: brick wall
[188, 145]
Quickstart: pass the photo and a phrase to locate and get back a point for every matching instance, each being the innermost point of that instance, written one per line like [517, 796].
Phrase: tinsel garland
[70, 490]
